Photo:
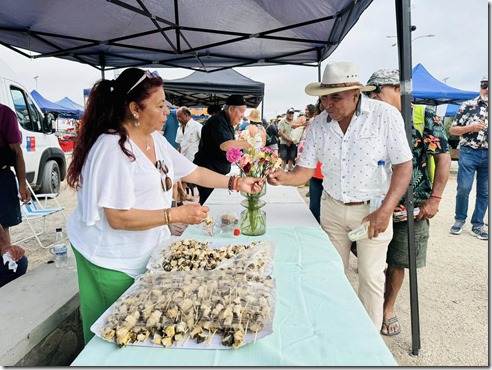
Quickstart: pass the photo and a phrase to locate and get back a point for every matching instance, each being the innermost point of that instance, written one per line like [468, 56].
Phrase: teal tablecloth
[319, 321]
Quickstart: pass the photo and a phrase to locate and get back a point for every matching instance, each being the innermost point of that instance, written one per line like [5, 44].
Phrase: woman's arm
[141, 219]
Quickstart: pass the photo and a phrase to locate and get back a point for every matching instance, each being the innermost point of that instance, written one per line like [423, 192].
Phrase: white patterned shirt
[350, 160]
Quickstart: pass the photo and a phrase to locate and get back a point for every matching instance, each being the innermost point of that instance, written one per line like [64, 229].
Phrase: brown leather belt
[356, 203]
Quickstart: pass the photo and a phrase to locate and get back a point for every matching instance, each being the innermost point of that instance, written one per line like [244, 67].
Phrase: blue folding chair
[37, 209]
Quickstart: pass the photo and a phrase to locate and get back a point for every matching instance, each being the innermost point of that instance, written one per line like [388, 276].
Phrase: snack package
[218, 309]
[399, 216]
[182, 254]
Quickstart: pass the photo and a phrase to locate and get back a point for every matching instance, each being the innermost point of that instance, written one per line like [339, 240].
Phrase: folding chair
[37, 209]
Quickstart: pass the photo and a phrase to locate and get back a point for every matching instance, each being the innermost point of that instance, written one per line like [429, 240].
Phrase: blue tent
[47, 106]
[70, 104]
[451, 110]
[428, 90]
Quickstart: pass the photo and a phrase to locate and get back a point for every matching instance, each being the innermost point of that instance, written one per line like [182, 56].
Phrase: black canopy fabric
[196, 34]
[429, 90]
[202, 89]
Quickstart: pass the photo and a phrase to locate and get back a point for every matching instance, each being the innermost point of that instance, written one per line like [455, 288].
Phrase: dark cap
[290, 111]
[235, 100]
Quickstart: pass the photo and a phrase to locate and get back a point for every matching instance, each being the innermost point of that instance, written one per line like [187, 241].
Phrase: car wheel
[51, 178]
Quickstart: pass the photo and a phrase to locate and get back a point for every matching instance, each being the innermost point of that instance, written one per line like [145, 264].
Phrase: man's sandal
[386, 325]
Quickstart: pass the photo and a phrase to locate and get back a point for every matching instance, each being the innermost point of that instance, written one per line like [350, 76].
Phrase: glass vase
[253, 218]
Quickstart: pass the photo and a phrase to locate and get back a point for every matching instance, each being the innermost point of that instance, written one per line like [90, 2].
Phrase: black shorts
[10, 214]
[287, 153]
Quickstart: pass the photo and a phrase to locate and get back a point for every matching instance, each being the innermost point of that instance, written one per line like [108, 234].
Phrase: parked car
[45, 161]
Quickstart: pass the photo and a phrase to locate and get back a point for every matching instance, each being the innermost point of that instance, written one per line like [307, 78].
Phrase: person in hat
[429, 143]
[256, 125]
[349, 137]
[217, 137]
[287, 149]
[123, 170]
[472, 125]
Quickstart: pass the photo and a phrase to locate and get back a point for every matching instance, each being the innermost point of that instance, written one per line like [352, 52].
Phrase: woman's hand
[190, 214]
[251, 185]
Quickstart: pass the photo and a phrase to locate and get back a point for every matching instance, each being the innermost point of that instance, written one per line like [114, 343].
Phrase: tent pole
[404, 29]
[102, 63]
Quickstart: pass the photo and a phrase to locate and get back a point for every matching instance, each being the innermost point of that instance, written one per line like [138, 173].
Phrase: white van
[45, 161]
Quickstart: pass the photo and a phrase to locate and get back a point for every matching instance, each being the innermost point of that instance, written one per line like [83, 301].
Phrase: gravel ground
[453, 288]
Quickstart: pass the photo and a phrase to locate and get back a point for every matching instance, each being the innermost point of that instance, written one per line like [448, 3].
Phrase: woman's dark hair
[311, 109]
[106, 111]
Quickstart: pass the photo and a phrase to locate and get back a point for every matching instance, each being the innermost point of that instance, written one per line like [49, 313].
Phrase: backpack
[270, 137]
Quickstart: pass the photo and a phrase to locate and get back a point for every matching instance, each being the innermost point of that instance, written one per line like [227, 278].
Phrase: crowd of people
[334, 145]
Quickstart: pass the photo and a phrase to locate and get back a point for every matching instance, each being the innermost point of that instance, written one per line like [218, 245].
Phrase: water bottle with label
[60, 249]
[381, 179]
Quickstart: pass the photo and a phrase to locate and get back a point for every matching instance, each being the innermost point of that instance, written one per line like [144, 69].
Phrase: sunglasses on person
[166, 181]
[377, 90]
[146, 74]
[484, 85]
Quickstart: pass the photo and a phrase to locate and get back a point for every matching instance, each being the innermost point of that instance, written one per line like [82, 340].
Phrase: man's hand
[15, 251]
[25, 194]
[476, 126]
[378, 222]
[428, 210]
[277, 177]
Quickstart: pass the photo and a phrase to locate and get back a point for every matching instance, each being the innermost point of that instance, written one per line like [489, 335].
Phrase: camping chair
[37, 209]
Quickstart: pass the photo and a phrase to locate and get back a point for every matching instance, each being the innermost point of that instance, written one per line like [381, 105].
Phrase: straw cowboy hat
[338, 76]
[254, 116]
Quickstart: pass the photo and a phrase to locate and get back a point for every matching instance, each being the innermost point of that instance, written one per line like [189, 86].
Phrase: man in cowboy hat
[349, 137]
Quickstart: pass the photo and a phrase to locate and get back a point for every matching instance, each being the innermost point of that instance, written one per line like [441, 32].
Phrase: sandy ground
[453, 288]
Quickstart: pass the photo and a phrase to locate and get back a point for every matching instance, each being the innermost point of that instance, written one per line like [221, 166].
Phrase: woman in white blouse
[123, 171]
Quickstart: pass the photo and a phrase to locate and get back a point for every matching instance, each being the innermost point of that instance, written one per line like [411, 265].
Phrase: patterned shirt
[350, 160]
[433, 141]
[474, 111]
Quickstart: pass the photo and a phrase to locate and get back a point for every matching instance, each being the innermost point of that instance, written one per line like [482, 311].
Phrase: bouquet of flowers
[258, 161]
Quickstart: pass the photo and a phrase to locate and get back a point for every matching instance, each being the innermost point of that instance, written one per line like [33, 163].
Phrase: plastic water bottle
[381, 180]
[60, 249]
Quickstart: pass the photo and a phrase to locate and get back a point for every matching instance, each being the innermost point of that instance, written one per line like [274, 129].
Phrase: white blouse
[112, 180]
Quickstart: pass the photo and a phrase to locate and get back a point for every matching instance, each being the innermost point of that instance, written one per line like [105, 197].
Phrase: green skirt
[99, 288]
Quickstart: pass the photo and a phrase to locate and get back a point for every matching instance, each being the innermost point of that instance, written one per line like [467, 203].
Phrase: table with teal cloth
[319, 320]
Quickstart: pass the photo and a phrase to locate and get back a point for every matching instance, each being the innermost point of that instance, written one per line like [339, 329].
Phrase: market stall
[318, 319]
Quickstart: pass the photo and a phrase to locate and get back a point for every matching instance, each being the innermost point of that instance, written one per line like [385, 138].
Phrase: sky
[457, 54]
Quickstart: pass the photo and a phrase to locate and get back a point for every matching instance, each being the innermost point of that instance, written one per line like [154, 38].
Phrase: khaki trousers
[337, 220]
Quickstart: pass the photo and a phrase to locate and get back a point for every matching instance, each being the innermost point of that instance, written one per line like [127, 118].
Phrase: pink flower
[244, 160]
[233, 155]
